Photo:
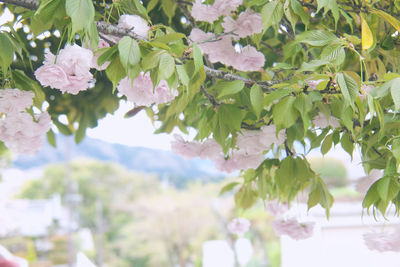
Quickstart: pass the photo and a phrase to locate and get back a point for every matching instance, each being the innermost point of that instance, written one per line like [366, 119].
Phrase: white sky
[134, 131]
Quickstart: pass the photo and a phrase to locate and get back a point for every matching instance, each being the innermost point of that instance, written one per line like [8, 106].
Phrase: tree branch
[210, 97]
[28, 4]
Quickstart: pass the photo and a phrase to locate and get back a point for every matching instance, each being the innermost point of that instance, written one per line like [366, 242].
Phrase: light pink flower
[248, 23]
[322, 122]
[239, 226]
[15, 100]
[135, 23]
[75, 60]
[22, 134]
[187, 150]
[49, 58]
[250, 142]
[269, 136]
[163, 94]
[249, 59]
[383, 241]
[226, 7]
[77, 83]
[210, 149]
[293, 228]
[312, 84]
[202, 12]
[238, 161]
[276, 208]
[52, 75]
[140, 92]
[101, 44]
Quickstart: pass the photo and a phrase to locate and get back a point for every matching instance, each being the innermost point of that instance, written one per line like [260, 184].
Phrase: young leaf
[166, 67]
[129, 52]
[348, 86]
[256, 98]
[229, 87]
[81, 13]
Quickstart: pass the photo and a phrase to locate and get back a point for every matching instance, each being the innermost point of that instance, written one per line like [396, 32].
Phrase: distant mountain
[160, 162]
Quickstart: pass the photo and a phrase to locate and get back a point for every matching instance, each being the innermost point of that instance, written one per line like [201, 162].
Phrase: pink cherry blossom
[293, 228]
[163, 94]
[75, 60]
[276, 208]
[226, 7]
[135, 23]
[249, 59]
[383, 242]
[15, 100]
[322, 122]
[312, 84]
[202, 12]
[187, 150]
[210, 149]
[22, 134]
[53, 76]
[250, 142]
[141, 92]
[248, 23]
[238, 161]
[270, 137]
[239, 226]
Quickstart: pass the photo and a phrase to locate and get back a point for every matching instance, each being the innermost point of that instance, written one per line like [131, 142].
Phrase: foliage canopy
[338, 58]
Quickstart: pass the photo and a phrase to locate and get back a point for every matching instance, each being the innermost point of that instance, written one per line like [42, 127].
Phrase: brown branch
[210, 97]
[28, 4]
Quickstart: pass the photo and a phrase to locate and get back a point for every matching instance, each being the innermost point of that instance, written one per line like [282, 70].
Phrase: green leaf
[275, 95]
[348, 86]
[396, 149]
[115, 71]
[395, 92]
[284, 113]
[313, 65]
[334, 53]
[230, 116]
[290, 15]
[51, 138]
[393, 21]
[129, 52]
[81, 13]
[228, 187]
[329, 5]
[298, 9]
[347, 144]
[152, 4]
[272, 13]
[229, 87]
[183, 76]
[166, 67]
[256, 99]
[372, 196]
[23, 82]
[317, 38]
[6, 51]
[152, 59]
[170, 37]
[198, 59]
[169, 7]
[387, 188]
[327, 144]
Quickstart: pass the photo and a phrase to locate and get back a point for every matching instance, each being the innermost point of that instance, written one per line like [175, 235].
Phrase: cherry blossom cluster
[142, 92]
[220, 48]
[382, 241]
[248, 154]
[18, 130]
[239, 226]
[288, 226]
[69, 72]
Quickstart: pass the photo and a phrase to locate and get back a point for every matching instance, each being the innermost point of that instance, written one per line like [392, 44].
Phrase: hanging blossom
[140, 91]
[210, 13]
[15, 100]
[222, 50]
[134, 23]
[365, 90]
[247, 23]
[248, 154]
[322, 122]
[239, 226]
[276, 208]
[18, 130]
[70, 72]
[292, 228]
[383, 242]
